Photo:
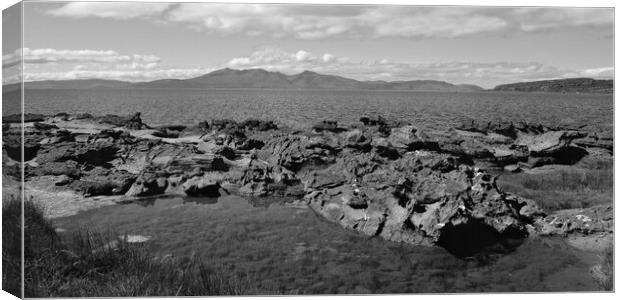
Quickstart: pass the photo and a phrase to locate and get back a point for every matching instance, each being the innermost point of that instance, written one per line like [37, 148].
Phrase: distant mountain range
[570, 85]
[258, 78]
[261, 79]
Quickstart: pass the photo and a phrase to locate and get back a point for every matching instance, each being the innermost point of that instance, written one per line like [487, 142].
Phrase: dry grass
[575, 187]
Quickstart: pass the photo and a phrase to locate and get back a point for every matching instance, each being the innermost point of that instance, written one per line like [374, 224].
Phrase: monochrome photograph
[169, 149]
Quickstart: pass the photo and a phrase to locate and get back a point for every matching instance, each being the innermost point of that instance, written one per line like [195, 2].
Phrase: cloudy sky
[486, 46]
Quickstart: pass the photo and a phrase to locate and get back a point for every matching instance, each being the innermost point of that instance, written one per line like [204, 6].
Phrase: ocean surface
[286, 248]
[303, 108]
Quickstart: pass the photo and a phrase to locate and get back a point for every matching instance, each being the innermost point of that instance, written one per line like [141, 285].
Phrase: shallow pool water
[286, 248]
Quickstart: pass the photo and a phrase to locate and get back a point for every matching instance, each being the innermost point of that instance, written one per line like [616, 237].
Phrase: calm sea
[302, 108]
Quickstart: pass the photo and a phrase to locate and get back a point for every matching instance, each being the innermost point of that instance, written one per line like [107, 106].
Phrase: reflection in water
[288, 249]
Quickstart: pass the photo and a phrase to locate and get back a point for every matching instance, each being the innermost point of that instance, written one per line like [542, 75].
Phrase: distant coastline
[307, 80]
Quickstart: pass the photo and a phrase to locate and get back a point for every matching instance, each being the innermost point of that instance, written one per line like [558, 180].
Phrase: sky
[486, 46]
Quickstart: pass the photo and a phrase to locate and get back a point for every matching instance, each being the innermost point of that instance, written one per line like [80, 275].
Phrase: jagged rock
[385, 179]
[358, 140]
[373, 120]
[147, 184]
[295, 152]
[83, 116]
[44, 127]
[12, 143]
[259, 125]
[250, 144]
[327, 125]
[104, 182]
[99, 153]
[419, 199]
[411, 138]
[130, 122]
[63, 180]
[596, 219]
[225, 151]
[68, 168]
[595, 141]
[548, 143]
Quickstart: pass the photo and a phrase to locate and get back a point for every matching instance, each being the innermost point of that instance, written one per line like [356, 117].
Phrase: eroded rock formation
[380, 178]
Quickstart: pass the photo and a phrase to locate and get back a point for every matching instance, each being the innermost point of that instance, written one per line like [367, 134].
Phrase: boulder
[547, 143]
[148, 184]
[258, 125]
[327, 125]
[130, 122]
[357, 139]
[411, 138]
[512, 168]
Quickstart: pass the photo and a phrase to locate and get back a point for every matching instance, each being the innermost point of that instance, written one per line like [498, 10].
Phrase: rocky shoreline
[378, 177]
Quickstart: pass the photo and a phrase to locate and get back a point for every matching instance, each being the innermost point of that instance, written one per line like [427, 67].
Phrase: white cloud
[484, 74]
[126, 75]
[42, 56]
[55, 64]
[115, 10]
[12, 59]
[333, 21]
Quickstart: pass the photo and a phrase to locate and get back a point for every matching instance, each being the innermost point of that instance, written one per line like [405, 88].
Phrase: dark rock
[68, 168]
[594, 141]
[92, 153]
[104, 182]
[28, 117]
[297, 152]
[250, 144]
[63, 180]
[411, 138]
[130, 122]
[548, 143]
[259, 125]
[147, 184]
[420, 199]
[327, 125]
[83, 116]
[201, 187]
[373, 120]
[358, 140]
[12, 144]
[44, 127]
[224, 151]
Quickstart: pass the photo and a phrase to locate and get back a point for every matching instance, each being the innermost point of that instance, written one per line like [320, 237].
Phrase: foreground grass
[575, 187]
[94, 265]
[11, 246]
[604, 273]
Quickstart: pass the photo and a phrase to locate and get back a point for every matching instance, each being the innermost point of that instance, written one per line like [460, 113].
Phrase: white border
[572, 3]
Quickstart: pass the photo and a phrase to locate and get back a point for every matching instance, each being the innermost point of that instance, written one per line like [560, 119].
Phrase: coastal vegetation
[96, 264]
